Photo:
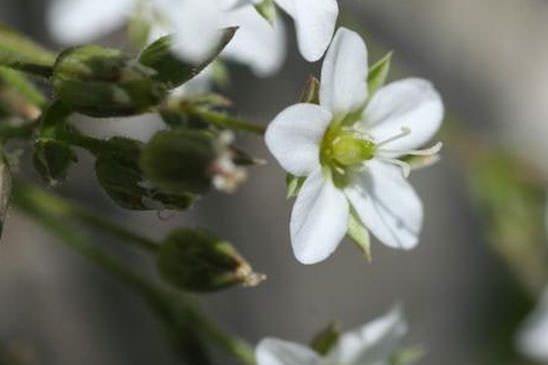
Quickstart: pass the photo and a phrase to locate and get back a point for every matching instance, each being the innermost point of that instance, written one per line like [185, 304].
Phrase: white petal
[289, 6]
[315, 23]
[294, 137]
[387, 205]
[410, 103]
[532, 338]
[344, 73]
[257, 43]
[198, 28]
[82, 21]
[271, 351]
[319, 219]
[374, 343]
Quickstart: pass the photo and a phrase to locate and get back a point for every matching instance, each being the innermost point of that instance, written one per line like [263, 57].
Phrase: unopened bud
[186, 160]
[197, 260]
[104, 82]
[121, 177]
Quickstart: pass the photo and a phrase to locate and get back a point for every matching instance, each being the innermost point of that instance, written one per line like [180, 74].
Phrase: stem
[51, 212]
[222, 120]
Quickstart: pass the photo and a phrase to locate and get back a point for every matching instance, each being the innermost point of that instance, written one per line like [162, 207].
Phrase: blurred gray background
[488, 58]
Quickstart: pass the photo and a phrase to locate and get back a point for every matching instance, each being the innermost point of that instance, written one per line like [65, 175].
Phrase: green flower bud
[172, 71]
[197, 260]
[104, 82]
[186, 160]
[119, 174]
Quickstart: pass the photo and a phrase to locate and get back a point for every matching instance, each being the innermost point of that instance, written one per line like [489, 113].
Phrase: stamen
[434, 150]
[405, 131]
[405, 167]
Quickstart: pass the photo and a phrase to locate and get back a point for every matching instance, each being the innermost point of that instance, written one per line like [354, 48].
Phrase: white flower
[532, 338]
[197, 25]
[372, 344]
[347, 147]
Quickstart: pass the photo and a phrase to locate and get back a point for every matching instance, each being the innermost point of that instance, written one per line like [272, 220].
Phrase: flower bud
[104, 82]
[197, 260]
[186, 160]
[120, 176]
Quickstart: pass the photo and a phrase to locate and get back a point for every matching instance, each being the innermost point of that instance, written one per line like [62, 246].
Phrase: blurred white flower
[314, 22]
[197, 25]
[532, 338]
[348, 149]
[373, 344]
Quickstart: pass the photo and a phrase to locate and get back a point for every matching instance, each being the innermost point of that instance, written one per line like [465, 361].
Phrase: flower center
[344, 147]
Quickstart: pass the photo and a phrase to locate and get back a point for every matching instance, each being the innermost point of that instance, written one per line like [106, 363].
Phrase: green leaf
[359, 234]
[378, 73]
[324, 341]
[267, 9]
[172, 71]
[294, 184]
[199, 261]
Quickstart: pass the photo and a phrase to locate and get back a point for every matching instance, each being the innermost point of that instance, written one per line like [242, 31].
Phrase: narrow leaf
[324, 341]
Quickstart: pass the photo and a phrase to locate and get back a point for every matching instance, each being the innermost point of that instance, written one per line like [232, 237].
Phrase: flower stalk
[165, 303]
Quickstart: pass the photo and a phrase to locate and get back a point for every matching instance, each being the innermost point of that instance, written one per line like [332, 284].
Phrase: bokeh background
[489, 60]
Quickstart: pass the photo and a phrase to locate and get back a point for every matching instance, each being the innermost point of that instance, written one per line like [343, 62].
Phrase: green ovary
[341, 148]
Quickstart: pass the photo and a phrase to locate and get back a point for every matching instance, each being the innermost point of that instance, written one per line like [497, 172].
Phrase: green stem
[51, 213]
[222, 120]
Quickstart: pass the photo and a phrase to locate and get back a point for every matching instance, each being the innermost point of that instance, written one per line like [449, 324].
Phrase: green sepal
[197, 260]
[171, 70]
[359, 234]
[293, 184]
[52, 157]
[180, 160]
[311, 91]
[378, 73]
[119, 174]
[325, 340]
[267, 9]
[104, 82]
